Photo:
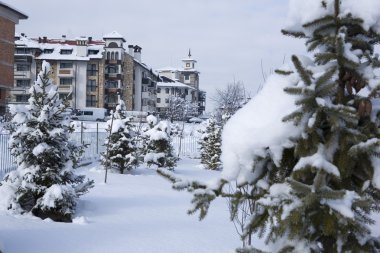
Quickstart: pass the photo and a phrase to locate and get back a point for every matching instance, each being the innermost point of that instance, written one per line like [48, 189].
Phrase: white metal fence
[184, 147]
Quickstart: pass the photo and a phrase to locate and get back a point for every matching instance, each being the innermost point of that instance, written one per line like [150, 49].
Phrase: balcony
[113, 62]
[66, 72]
[114, 76]
[65, 88]
[113, 91]
[22, 74]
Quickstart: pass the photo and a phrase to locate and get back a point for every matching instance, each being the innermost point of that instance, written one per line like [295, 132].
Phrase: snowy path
[131, 213]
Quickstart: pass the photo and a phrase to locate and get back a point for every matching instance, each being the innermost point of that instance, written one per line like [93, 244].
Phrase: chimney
[39, 40]
[130, 50]
[44, 39]
[63, 36]
[23, 34]
[137, 53]
[89, 39]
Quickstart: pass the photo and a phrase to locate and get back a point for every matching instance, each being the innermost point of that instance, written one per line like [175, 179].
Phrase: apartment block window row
[112, 55]
[91, 85]
[22, 67]
[66, 65]
[91, 101]
[23, 83]
[65, 81]
[92, 70]
[22, 98]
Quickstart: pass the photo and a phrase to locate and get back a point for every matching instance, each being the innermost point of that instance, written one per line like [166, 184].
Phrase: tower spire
[189, 53]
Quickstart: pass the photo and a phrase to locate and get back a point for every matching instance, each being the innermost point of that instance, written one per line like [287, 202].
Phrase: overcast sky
[228, 38]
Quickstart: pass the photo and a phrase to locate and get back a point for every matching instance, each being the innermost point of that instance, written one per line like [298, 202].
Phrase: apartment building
[9, 17]
[182, 79]
[90, 73]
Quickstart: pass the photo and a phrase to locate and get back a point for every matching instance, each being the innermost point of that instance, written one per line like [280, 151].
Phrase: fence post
[81, 132]
[97, 138]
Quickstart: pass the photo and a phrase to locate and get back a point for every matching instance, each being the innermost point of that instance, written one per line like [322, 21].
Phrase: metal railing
[183, 147]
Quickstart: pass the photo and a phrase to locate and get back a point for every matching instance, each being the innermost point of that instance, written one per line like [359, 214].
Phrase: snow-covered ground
[131, 213]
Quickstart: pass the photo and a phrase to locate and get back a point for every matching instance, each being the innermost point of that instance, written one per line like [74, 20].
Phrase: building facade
[9, 17]
[90, 73]
[187, 75]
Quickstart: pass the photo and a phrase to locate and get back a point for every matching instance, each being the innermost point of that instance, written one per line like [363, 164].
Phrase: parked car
[91, 114]
[195, 120]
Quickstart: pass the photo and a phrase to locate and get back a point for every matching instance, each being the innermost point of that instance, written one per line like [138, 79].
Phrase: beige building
[90, 73]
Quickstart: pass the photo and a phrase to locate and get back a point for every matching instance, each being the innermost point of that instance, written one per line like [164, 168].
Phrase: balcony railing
[66, 72]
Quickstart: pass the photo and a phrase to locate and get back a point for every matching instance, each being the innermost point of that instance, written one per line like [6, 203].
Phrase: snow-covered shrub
[158, 149]
[44, 182]
[121, 148]
[210, 145]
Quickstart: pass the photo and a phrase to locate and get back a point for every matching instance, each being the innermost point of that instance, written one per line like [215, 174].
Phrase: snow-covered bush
[158, 149]
[44, 182]
[210, 145]
[308, 144]
[121, 145]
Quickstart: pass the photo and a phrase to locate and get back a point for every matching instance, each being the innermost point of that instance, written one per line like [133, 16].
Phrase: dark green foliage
[210, 145]
[121, 145]
[44, 182]
[158, 149]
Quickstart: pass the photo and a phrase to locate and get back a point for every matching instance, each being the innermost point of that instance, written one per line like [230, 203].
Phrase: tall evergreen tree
[210, 145]
[121, 145]
[318, 192]
[44, 182]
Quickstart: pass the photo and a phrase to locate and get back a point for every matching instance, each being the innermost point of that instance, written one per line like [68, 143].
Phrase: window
[91, 85]
[22, 98]
[167, 90]
[112, 99]
[158, 100]
[23, 83]
[111, 70]
[186, 92]
[63, 96]
[23, 50]
[88, 113]
[65, 81]
[187, 65]
[91, 69]
[92, 52]
[187, 77]
[112, 56]
[172, 91]
[48, 51]
[108, 55]
[116, 56]
[166, 100]
[112, 84]
[158, 90]
[66, 65]
[22, 67]
[90, 102]
[66, 51]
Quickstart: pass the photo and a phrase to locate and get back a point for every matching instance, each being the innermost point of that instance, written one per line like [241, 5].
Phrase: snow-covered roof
[114, 35]
[57, 45]
[14, 10]
[167, 69]
[175, 85]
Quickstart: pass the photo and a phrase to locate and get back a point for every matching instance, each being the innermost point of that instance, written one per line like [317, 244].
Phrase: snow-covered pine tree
[332, 190]
[121, 146]
[158, 147]
[44, 182]
[210, 145]
[315, 178]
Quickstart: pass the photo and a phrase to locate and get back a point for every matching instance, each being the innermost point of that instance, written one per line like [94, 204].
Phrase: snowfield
[131, 213]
